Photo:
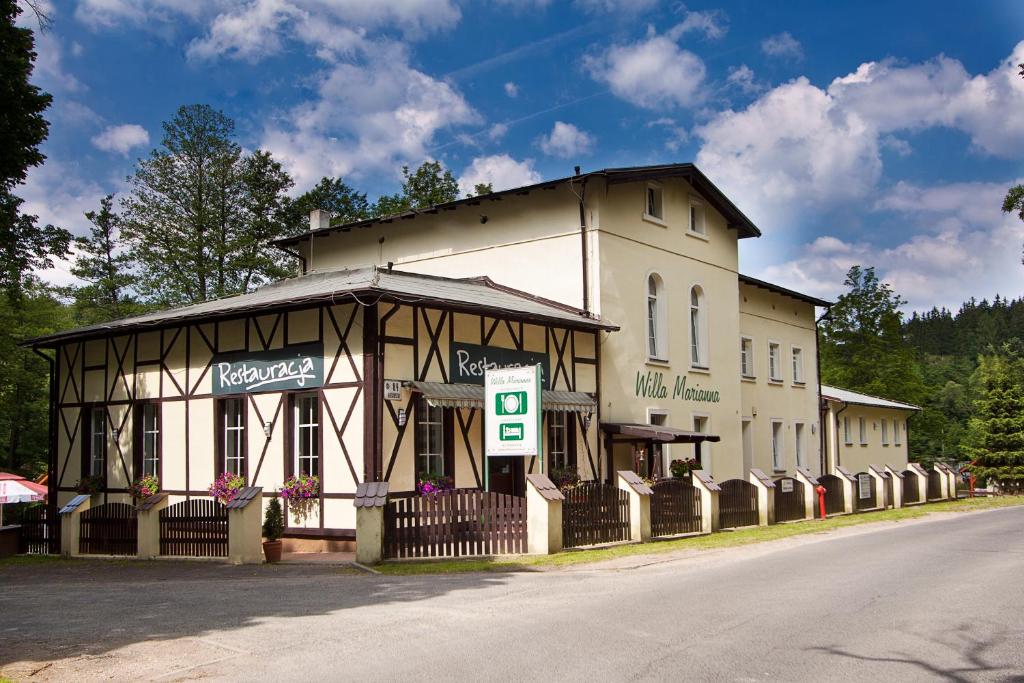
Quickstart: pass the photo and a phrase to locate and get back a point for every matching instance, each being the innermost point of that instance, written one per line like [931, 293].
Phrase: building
[623, 284]
[863, 430]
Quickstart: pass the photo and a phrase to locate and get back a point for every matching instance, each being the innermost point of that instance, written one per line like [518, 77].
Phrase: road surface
[940, 599]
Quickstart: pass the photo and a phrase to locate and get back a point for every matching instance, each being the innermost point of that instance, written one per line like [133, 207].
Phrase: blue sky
[876, 133]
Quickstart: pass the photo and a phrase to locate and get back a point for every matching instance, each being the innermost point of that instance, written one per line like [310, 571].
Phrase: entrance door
[507, 475]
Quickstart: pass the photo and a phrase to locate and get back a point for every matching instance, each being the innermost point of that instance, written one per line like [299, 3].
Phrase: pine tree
[997, 430]
[107, 268]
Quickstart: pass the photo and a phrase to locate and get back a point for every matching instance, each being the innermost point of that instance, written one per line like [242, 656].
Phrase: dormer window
[697, 226]
[654, 204]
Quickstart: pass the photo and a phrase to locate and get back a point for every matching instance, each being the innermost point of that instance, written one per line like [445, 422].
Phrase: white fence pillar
[709, 491]
[849, 488]
[878, 474]
[245, 526]
[639, 505]
[371, 499]
[71, 525]
[897, 485]
[543, 515]
[148, 519]
[765, 496]
[810, 482]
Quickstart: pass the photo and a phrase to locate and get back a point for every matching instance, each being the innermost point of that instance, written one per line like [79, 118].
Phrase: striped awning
[441, 395]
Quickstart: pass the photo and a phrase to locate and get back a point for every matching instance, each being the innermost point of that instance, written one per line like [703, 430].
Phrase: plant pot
[272, 550]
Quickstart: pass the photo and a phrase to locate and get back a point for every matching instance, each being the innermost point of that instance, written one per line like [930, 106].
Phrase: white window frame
[696, 219]
[659, 199]
[660, 331]
[862, 425]
[847, 434]
[306, 433]
[698, 328]
[796, 354]
[151, 458]
[896, 432]
[233, 434]
[799, 442]
[424, 422]
[98, 442]
[705, 447]
[747, 355]
[778, 443]
[662, 450]
[777, 365]
[885, 431]
[558, 434]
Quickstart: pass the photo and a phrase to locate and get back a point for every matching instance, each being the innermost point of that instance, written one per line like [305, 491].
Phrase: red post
[821, 499]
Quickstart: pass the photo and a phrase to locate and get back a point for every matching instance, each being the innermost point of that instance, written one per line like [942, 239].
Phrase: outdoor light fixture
[587, 417]
[267, 427]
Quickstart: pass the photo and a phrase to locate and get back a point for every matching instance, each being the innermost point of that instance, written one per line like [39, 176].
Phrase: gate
[594, 512]
[109, 529]
[911, 487]
[675, 508]
[197, 527]
[865, 493]
[737, 504]
[455, 523]
[934, 485]
[835, 499]
[789, 504]
[39, 535]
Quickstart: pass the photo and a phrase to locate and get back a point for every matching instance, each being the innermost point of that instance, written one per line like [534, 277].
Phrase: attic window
[697, 226]
[653, 207]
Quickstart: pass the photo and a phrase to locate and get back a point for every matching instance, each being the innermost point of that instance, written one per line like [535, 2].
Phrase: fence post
[148, 519]
[922, 481]
[371, 499]
[71, 524]
[245, 526]
[878, 474]
[709, 491]
[949, 479]
[897, 485]
[848, 491]
[810, 482]
[639, 505]
[765, 496]
[543, 516]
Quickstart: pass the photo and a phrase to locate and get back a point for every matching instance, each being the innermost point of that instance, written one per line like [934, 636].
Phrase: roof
[372, 283]
[846, 396]
[372, 494]
[733, 216]
[634, 482]
[807, 298]
[545, 487]
[656, 432]
[441, 395]
[244, 496]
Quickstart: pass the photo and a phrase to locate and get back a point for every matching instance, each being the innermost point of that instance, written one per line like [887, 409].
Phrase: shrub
[273, 521]
[682, 468]
[565, 478]
[434, 483]
[89, 485]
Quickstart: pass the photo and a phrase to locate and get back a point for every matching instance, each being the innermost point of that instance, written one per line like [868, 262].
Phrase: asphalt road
[931, 600]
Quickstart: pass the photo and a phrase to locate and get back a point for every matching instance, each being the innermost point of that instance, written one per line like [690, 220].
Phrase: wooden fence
[789, 500]
[835, 499]
[109, 529]
[911, 487]
[594, 512]
[454, 524]
[197, 527]
[934, 485]
[737, 504]
[675, 508]
[39, 535]
[865, 496]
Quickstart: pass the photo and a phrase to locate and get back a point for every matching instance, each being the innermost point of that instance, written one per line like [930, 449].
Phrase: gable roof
[846, 396]
[373, 283]
[806, 298]
[733, 216]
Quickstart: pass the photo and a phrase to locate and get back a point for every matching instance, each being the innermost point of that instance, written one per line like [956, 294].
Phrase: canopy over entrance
[645, 441]
[441, 395]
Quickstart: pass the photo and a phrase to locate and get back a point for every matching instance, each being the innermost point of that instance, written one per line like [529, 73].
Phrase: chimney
[319, 219]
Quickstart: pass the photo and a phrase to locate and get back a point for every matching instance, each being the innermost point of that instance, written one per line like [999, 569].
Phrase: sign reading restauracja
[512, 411]
[469, 362]
[652, 385]
[293, 367]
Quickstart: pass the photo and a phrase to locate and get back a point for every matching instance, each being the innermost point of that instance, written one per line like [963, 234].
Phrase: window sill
[775, 382]
[660, 222]
[700, 369]
[660, 362]
[697, 235]
[748, 378]
[778, 471]
[800, 384]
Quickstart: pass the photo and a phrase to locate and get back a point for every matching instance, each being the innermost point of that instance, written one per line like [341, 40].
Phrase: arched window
[698, 329]
[656, 345]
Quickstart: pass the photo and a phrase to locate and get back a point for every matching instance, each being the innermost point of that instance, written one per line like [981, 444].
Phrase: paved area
[938, 599]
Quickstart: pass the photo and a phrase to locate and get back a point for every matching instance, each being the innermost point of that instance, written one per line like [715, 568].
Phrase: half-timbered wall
[416, 343]
[172, 367]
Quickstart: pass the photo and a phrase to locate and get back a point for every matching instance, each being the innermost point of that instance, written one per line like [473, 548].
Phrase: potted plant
[565, 478]
[430, 484]
[225, 488]
[682, 468]
[301, 492]
[89, 485]
[273, 529]
[144, 487]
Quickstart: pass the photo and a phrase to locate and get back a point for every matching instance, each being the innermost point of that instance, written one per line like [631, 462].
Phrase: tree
[103, 263]
[24, 245]
[429, 185]
[481, 189]
[330, 194]
[863, 347]
[997, 430]
[200, 213]
[1014, 203]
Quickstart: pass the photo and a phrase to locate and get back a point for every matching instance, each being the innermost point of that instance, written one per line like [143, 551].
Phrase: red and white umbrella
[17, 489]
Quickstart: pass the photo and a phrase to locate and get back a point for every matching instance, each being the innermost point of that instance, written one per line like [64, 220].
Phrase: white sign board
[787, 486]
[864, 486]
[392, 390]
[512, 411]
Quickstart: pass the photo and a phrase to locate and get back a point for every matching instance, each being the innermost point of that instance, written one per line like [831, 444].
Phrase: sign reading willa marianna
[652, 385]
[293, 367]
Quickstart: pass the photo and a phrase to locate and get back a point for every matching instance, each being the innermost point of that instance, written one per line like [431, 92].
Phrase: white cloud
[50, 72]
[566, 140]
[743, 77]
[121, 139]
[899, 146]
[782, 45]
[963, 246]
[710, 22]
[651, 73]
[511, 89]
[611, 6]
[497, 131]
[249, 33]
[366, 117]
[500, 170]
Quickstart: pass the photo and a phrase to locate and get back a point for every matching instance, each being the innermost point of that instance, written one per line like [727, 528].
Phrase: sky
[880, 134]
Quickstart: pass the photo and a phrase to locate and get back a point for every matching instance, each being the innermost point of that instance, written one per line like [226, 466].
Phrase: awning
[441, 395]
[660, 433]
